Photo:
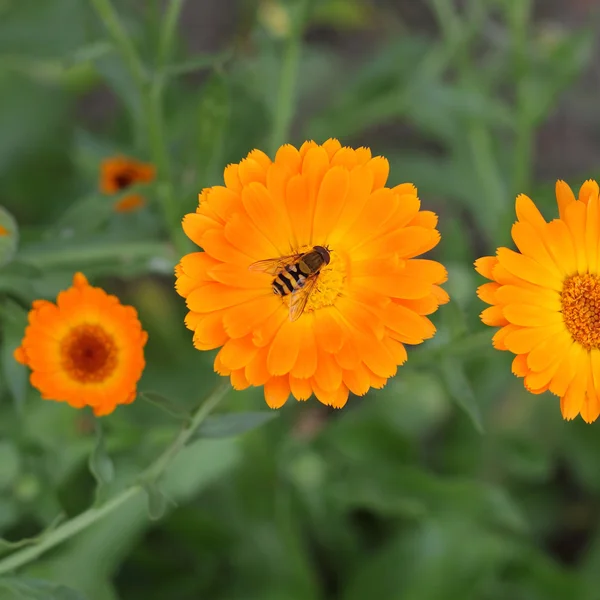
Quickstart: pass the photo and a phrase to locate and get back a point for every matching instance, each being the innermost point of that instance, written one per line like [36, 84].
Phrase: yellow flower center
[580, 298]
[330, 284]
[89, 354]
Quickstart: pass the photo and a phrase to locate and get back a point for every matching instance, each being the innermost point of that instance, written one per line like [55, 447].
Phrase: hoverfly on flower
[296, 275]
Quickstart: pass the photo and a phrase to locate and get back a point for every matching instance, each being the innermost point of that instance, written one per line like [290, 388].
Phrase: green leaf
[157, 501]
[10, 239]
[27, 588]
[232, 424]
[196, 63]
[100, 463]
[14, 321]
[165, 404]
[460, 390]
[7, 545]
[85, 215]
[99, 250]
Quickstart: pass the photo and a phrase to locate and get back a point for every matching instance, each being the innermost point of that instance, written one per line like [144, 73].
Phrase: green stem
[111, 21]
[167, 34]
[92, 515]
[284, 110]
[151, 96]
[519, 15]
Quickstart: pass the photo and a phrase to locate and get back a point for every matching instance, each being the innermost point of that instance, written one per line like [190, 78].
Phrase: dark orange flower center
[124, 179]
[580, 298]
[89, 354]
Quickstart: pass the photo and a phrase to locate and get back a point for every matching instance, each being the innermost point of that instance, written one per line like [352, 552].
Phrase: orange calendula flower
[309, 280]
[546, 299]
[129, 204]
[86, 350]
[120, 172]
[3, 231]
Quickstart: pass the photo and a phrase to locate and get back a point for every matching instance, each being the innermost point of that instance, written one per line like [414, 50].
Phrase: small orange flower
[87, 349]
[120, 172]
[546, 299]
[129, 204]
[368, 300]
[3, 231]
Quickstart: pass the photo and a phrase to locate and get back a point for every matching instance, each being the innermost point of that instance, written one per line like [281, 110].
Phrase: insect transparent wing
[273, 266]
[300, 297]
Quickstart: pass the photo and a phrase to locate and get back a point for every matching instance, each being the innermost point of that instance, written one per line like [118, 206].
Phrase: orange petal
[549, 351]
[487, 292]
[238, 380]
[348, 357]
[592, 234]
[232, 178]
[530, 244]
[256, 371]
[543, 297]
[269, 217]
[306, 362]
[328, 331]
[485, 266]
[215, 296]
[296, 196]
[277, 391]
[588, 190]
[500, 336]
[572, 402]
[411, 327]
[285, 348]
[209, 332]
[493, 316]
[336, 398]
[528, 315]
[519, 365]
[381, 169]
[251, 171]
[561, 246]
[575, 219]
[289, 157]
[524, 340]
[331, 146]
[361, 183]
[566, 370]
[216, 245]
[328, 375]
[235, 354]
[564, 197]
[330, 202]
[590, 409]
[243, 235]
[300, 388]
[527, 212]
[528, 269]
[241, 319]
[357, 380]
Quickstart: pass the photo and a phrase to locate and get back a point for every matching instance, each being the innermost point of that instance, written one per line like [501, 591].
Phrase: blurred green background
[451, 482]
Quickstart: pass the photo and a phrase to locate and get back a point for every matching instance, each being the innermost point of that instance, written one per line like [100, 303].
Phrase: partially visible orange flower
[87, 349]
[369, 300]
[120, 172]
[3, 231]
[546, 299]
[129, 204]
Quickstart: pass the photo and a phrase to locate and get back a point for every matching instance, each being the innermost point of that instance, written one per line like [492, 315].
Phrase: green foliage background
[451, 482]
